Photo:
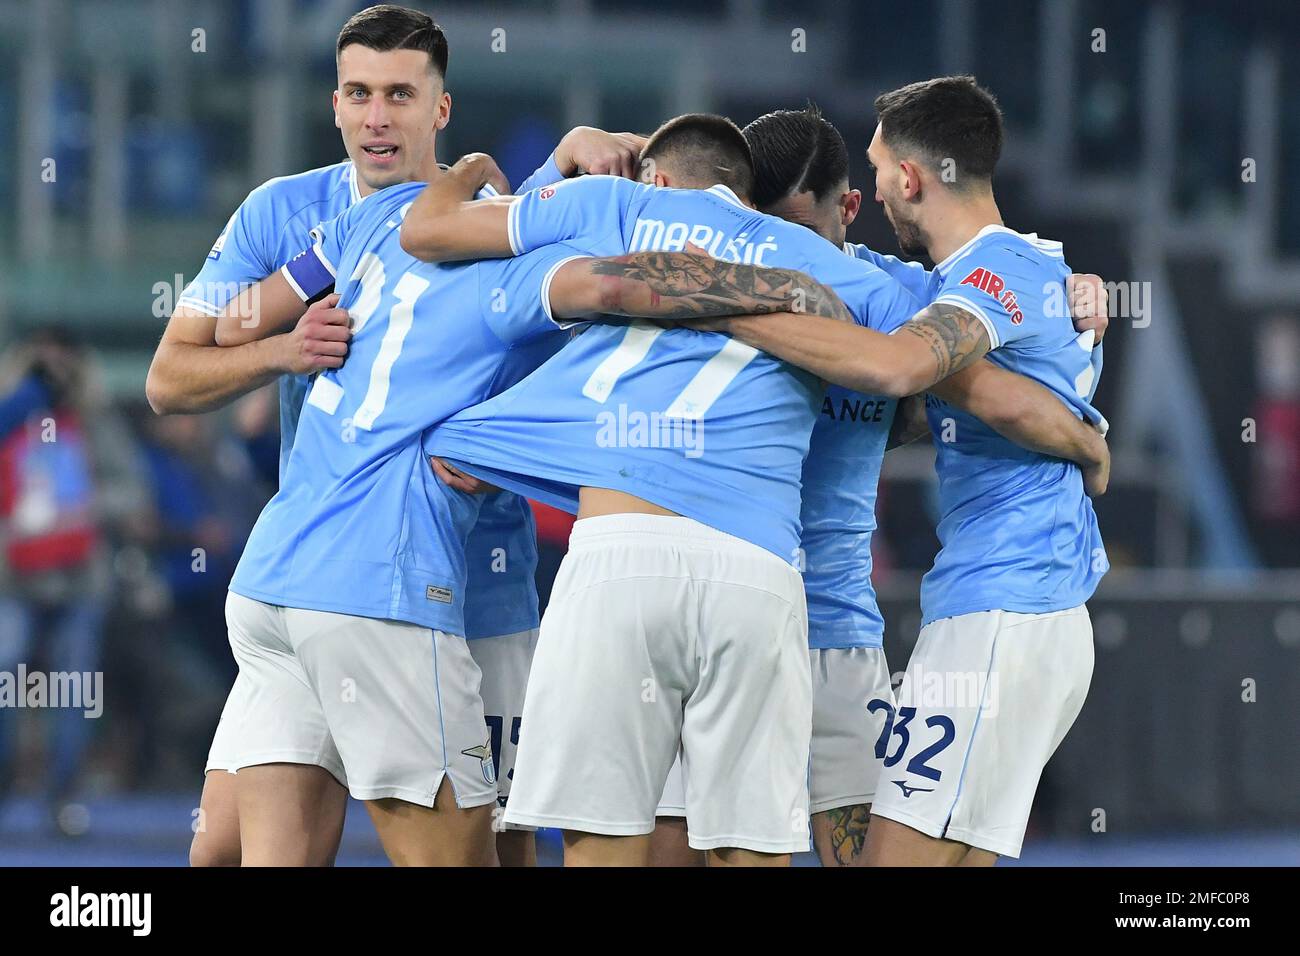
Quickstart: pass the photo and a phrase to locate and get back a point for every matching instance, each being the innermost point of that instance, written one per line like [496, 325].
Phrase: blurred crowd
[118, 533]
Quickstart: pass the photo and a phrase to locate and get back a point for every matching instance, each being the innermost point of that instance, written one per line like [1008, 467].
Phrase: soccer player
[346, 609]
[389, 105]
[801, 174]
[678, 614]
[1006, 637]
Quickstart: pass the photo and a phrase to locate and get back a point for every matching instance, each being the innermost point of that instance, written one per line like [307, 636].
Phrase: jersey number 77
[700, 392]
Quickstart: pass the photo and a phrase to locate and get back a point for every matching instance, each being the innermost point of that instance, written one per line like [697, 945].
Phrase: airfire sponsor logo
[988, 281]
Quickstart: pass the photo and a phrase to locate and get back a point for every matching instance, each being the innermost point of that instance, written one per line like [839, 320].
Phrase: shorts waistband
[601, 529]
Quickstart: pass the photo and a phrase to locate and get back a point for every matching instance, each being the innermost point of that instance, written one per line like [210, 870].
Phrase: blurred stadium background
[1162, 151]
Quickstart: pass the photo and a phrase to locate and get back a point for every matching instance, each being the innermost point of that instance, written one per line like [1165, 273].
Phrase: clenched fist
[319, 340]
[590, 150]
[483, 169]
[1089, 303]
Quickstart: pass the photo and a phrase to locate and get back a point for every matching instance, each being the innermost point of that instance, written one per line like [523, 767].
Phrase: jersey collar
[1043, 245]
[724, 192]
[353, 190]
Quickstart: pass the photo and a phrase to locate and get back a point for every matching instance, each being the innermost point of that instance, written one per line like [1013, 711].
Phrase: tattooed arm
[939, 340]
[671, 286]
[1029, 414]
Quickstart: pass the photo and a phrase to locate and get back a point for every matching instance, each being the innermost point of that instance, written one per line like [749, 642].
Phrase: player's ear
[850, 206]
[661, 179]
[909, 179]
[334, 101]
[444, 111]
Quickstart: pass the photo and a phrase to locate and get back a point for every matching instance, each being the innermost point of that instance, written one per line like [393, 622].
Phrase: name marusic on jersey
[655, 234]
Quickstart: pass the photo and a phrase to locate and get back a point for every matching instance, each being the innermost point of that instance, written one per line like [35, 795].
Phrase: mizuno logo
[908, 791]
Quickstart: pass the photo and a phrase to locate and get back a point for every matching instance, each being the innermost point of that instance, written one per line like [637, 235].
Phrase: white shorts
[388, 708]
[662, 632]
[504, 662]
[986, 700]
[851, 700]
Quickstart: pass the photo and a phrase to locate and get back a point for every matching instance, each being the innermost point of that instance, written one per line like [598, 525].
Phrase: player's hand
[455, 478]
[319, 340]
[1096, 478]
[591, 150]
[485, 171]
[1089, 303]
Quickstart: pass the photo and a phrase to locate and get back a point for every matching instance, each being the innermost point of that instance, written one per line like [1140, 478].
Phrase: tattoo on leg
[848, 831]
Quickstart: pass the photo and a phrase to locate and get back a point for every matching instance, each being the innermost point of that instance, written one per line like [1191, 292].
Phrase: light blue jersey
[361, 525]
[841, 478]
[268, 229]
[694, 422]
[501, 555]
[271, 226]
[913, 276]
[1016, 529]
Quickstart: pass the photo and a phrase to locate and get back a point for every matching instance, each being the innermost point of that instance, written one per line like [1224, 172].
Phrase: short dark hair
[706, 148]
[389, 27]
[948, 117]
[796, 151]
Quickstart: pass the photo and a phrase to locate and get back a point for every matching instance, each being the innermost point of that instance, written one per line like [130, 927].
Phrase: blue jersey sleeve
[913, 276]
[314, 271]
[891, 305]
[243, 254]
[988, 283]
[876, 299]
[329, 238]
[548, 174]
[514, 294]
[589, 208]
